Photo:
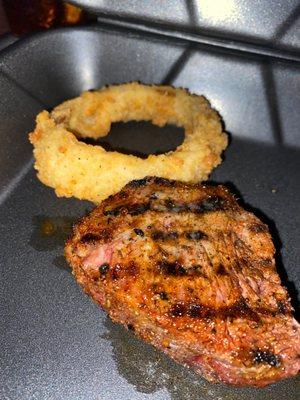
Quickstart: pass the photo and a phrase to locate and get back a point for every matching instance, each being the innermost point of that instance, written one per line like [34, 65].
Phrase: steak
[191, 272]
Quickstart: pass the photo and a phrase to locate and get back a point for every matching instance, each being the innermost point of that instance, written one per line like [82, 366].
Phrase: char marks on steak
[193, 274]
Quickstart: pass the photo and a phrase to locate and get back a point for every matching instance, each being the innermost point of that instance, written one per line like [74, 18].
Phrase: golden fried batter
[74, 168]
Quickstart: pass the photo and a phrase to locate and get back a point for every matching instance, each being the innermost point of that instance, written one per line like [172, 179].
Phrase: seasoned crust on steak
[193, 274]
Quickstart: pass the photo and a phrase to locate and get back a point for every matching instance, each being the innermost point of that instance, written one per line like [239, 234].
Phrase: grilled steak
[192, 273]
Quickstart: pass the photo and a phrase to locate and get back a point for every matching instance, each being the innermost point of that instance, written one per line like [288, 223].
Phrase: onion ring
[74, 168]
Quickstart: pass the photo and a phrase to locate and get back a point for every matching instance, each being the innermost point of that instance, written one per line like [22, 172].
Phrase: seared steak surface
[192, 273]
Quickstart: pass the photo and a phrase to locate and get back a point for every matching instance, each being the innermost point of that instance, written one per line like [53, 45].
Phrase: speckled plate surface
[55, 342]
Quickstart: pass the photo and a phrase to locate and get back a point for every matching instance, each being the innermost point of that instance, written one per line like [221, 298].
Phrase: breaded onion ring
[74, 168]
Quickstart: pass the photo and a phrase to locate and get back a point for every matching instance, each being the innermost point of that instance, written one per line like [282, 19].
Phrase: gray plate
[252, 21]
[57, 344]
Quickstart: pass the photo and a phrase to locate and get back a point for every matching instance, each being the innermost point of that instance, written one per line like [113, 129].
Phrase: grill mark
[163, 182]
[195, 310]
[209, 204]
[212, 203]
[265, 356]
[123, 194]
[90, 237]
[178, 310]
[138, 183]
[133, 209]
[161, 235]
[240, 310]
[114, 212]
[190, 235]
[177, 269]
[237, 310]
[137, 209]
[197, 270]
[171, 268]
